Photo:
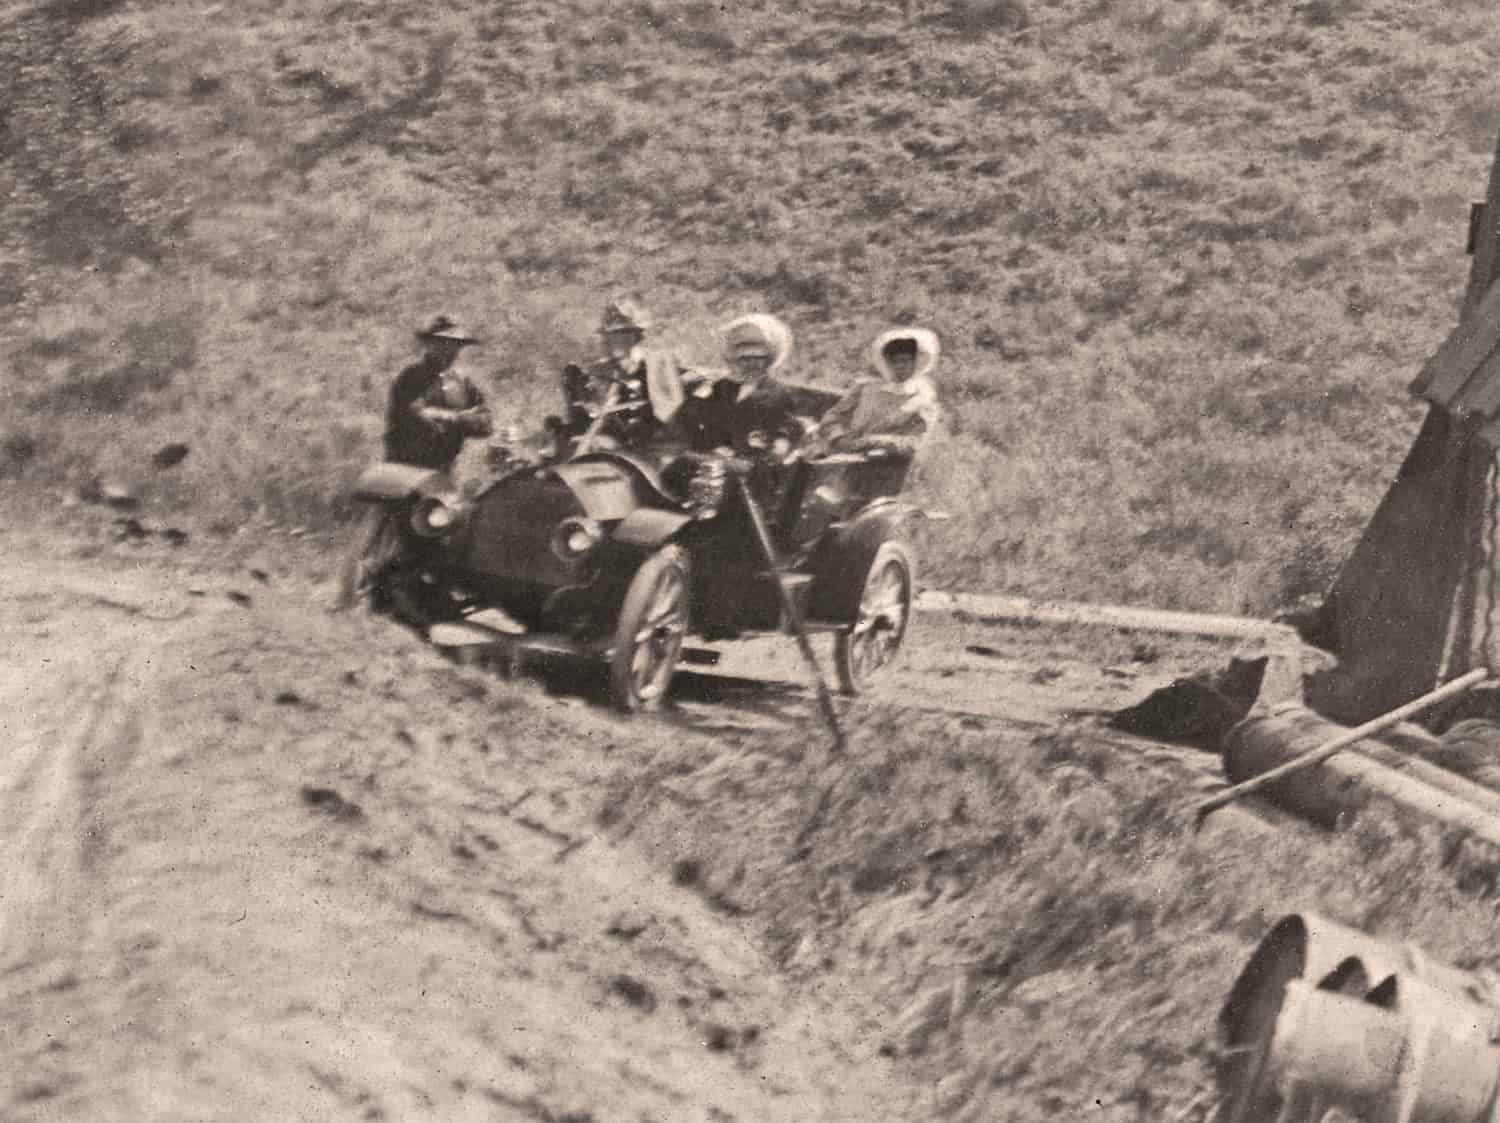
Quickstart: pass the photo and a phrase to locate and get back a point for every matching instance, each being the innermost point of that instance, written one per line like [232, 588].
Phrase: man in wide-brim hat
[646, 381]
[433, 408]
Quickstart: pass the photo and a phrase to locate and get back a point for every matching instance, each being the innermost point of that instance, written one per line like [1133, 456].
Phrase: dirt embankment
[258, 864]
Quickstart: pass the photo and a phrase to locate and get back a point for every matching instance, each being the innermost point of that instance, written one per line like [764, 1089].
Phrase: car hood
[605, 490]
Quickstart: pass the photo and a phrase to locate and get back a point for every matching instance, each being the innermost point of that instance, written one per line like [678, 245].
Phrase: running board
[469, 634]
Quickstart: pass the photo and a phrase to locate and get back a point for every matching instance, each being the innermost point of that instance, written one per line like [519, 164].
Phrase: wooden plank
[1481, 395]
[1020, 610]
[1444, 376]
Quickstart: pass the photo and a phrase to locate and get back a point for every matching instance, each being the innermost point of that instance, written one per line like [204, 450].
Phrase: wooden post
[1486, 241]
[794, 617]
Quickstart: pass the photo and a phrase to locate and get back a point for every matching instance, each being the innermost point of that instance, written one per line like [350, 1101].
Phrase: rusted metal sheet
[1324, 1018]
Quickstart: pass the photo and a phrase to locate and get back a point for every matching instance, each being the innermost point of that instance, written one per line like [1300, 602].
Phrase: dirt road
[259, 862]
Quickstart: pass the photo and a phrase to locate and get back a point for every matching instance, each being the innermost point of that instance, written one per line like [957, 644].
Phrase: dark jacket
[651, 381]
[747, 425]
[430, 413]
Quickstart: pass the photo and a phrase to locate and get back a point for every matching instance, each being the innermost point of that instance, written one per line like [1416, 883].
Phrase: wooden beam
[1020, 610]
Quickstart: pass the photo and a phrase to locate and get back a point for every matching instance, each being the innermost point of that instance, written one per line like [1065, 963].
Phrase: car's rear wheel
[884, 610]
[648, 638]
[376, 546]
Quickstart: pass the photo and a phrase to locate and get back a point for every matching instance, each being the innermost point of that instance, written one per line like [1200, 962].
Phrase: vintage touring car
[619, 556]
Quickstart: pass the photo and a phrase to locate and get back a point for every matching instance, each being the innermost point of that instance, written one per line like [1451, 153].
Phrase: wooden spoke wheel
[648, 638]
[884, 612]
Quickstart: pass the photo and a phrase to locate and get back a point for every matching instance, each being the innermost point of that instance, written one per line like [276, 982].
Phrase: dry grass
[1051, 939]
[1183, 257]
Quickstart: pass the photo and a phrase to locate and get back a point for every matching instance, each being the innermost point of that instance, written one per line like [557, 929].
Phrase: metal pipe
[1327, 794]
[1338, 789]
[1341, 742]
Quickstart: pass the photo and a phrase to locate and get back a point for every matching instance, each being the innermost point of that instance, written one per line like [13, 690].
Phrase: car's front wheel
[648, 638]
[880, 626]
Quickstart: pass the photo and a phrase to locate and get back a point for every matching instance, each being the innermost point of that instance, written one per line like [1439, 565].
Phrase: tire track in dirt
[82, 654]
[265, 796]
[41, 809]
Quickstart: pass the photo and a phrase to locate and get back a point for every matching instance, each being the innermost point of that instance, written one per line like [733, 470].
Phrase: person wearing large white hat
[749, 410]
[898, 410]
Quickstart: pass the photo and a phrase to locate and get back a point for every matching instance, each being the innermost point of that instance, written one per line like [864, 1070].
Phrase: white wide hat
[928, 350]
[760, 334]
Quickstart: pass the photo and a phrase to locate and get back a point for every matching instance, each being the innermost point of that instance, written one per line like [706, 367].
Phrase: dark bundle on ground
[1199, 710]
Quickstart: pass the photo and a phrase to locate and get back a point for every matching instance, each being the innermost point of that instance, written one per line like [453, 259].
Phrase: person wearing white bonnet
[750, 408]
[898, 410]
[756, 347]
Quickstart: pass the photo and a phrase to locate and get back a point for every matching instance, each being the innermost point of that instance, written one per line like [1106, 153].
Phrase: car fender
[844, 558]
[646, 528]
[391, 483]
[632, 540]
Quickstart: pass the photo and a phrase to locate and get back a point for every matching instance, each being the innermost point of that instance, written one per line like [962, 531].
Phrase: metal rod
[794, 617]
[1341, 742]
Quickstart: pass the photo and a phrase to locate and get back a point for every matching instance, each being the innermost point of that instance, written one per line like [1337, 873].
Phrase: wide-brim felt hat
[626, 314]
[441, 327]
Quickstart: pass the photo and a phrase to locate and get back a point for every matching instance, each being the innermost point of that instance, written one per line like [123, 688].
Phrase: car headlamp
[433, 518]
[575, 537]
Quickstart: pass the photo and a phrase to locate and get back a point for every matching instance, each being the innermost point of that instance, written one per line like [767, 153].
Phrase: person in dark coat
[434, 408]
[750, 412]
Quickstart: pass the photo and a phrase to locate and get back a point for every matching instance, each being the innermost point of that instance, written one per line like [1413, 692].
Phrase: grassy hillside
[1183, 256]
